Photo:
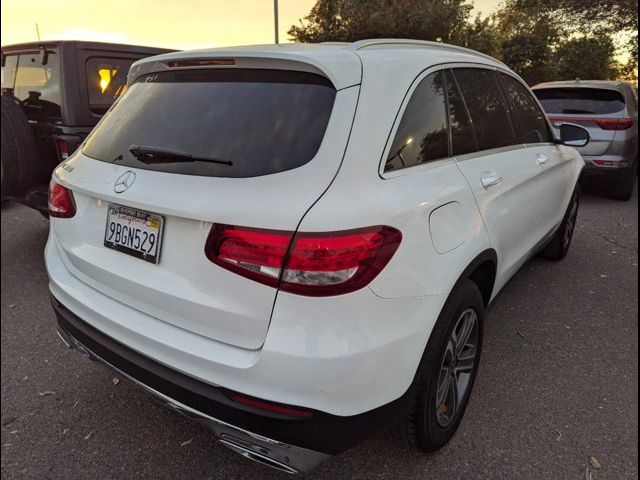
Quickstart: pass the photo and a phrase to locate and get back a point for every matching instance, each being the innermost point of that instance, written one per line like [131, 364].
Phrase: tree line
[541, 40]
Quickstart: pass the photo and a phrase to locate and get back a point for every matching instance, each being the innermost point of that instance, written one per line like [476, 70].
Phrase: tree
[351, 20]
[483, 36]
[588, 58]
[529, 35]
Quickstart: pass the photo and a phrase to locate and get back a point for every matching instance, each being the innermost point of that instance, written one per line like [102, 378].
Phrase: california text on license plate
[134, 232]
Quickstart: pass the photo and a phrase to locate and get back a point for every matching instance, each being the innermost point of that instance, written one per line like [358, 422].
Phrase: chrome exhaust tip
[256, 453]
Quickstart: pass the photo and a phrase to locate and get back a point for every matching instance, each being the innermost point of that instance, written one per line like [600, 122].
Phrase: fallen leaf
[13, 432]
[44, 393]
[593, 461]
[88, 435]
[64, 432]
[186, 442]
[12, 306]
[604, 276]
[76, 404]
[115, 380]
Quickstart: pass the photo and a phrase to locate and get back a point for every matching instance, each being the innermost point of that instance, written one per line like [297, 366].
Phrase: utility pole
[275, 18]
[38, 32]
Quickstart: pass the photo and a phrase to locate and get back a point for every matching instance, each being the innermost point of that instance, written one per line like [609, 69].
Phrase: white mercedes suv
[296, 244]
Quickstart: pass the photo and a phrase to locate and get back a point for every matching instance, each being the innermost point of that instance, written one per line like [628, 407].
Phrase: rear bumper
[618, 167]
[272, 453]
[290, 444]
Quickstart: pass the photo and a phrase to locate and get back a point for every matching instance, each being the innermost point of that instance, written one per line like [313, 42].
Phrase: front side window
[422, 133]
[528, 120]
[218, 123]
[37, 85]
[106, 80]
[489, 115]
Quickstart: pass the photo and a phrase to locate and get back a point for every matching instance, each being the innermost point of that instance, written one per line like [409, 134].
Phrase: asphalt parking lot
[557, 384]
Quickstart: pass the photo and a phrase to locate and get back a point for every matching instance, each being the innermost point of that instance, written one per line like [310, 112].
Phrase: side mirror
[573, 135]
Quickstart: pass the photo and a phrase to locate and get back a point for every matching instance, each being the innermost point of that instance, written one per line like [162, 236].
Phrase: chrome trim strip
[272, 453]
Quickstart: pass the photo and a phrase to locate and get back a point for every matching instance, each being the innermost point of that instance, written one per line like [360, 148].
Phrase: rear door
[266, 145]
[504, 176]
[532, 129]
[596, 109]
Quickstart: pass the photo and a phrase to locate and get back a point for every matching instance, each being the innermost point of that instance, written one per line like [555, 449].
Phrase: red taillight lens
[614, 123]
[312, 264]
[63, 149]
[61, 203]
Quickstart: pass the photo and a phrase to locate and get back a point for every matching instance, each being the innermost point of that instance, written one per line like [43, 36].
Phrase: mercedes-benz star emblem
[124, 181]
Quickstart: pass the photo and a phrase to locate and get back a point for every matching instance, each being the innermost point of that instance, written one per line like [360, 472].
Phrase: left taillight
[61, 202]
[311, 264]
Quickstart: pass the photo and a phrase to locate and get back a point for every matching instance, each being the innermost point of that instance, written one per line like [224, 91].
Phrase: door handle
[542, 159]
[490, 180]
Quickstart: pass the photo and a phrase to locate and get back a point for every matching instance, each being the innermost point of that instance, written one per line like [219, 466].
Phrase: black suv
[53, 94]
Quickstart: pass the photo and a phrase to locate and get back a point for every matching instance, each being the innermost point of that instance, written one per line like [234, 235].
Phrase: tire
[623, 189]
[19, 161]
[435, 416]
[559, 245]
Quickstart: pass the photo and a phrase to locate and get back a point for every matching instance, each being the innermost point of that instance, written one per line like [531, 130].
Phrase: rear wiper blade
[148, 154]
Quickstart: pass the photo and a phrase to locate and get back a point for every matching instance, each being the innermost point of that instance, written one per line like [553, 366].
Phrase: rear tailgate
[591, 107]
[184, 288]
[600, 138]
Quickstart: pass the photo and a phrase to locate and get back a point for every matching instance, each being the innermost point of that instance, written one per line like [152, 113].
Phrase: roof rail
[362, 44]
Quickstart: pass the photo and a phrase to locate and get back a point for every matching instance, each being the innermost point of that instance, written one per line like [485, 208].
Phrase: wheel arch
[482, 271]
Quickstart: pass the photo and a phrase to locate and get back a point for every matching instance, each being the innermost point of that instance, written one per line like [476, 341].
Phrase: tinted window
[462, 136]
[588, 101]
[264, 121]
[529, 121]
[422, 133]
[38, 85]
[488, 112]
[9, 72]
[106, 78]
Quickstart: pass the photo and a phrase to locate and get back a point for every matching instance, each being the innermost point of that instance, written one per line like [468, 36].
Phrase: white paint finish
[449, 226]
[185, 289]
[331, 353]
[328, 354]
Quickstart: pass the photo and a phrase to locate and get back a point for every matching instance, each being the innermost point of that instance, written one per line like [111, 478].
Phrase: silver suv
[609, 110]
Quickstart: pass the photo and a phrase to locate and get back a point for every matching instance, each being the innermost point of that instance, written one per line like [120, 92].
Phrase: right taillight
[61, 203]
[614, 123]
[312, 264]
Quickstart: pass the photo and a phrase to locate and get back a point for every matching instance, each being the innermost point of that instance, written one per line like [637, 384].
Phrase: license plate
[134, 232]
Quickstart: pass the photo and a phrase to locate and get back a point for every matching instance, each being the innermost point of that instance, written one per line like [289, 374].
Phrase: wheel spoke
[453, 398]
[443, 388]
[466, 360]
[461, 339]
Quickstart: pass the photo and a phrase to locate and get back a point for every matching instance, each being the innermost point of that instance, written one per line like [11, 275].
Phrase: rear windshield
[587, 101]
[257, 121]
[34, 79]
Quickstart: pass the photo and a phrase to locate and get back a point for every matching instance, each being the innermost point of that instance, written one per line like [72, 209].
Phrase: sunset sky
[184, 24]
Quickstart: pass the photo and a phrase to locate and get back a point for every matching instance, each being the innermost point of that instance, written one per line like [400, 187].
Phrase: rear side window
[580, 100]
[488, 112]
[35, 84]
[463, 139]
[106, 79]
[529, 121]
[422, 133]
[260, 121]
